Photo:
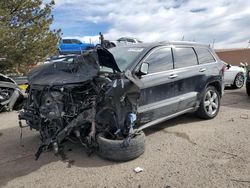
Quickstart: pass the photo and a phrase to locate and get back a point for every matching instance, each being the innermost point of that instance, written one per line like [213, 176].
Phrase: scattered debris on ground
[138, 169]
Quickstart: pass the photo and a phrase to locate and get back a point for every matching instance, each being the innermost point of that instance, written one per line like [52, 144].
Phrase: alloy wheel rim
[211, 102]
[239, 81]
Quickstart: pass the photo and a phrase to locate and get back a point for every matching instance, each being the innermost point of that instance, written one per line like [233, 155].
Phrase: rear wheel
[121, 150]
[239, 80]
[210, 103]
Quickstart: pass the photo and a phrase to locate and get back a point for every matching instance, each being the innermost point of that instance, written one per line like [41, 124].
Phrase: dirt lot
[183, 152]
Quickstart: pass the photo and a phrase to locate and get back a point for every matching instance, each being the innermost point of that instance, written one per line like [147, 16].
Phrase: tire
[1, 108]
[210, 103]
[248, 88]
[120, 150]
[239, 81]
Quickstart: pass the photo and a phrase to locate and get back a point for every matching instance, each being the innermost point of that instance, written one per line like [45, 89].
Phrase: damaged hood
[84, 67]
[106, 59]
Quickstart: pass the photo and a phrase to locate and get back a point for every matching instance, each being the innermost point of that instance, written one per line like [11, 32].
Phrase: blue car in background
[73, 46]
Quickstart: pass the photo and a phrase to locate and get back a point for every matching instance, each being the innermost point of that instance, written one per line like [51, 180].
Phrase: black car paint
[153, 97]
[58, 73]
[162, 95]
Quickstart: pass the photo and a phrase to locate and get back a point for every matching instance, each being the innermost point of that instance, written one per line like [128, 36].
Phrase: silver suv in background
[126, 41]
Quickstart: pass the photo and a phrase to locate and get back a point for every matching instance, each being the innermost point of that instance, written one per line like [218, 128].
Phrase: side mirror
[228, 66]
[143, 69]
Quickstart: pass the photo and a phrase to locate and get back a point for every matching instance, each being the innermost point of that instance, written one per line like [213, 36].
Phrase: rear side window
[184, 57]
[75, 41]
[204, 56]
[131, 40]
[67, 41]
[160, 60]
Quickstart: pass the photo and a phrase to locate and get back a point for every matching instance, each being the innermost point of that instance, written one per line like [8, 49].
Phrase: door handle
[203, 70]
[173, 76]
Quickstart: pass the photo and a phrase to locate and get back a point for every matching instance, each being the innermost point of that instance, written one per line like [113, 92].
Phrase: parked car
[129, 40]
[10, 94]
[234, 76]
[248, 82]
[126, 41]
[106, 98]
[73, 46]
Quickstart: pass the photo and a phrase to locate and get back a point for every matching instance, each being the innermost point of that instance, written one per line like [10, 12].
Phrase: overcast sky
[227, 22]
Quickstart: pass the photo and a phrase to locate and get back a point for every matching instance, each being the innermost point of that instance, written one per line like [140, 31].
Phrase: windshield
[124, 56]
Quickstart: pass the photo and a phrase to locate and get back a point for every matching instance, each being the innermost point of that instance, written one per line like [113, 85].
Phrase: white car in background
[235, 76]
[125, 41]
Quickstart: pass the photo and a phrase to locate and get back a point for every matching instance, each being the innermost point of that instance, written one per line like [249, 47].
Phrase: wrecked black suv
[104, 99]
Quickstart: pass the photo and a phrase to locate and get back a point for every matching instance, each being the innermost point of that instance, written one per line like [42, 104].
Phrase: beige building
[234, 56]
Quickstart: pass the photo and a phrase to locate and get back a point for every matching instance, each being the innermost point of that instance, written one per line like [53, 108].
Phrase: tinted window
[75, 41]
[204, 55]
[184, 57]
[67, 41]
[160, 60]
[131, 40]
[121, 39]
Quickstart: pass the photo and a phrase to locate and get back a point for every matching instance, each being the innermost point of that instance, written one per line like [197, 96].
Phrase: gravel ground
[183, 152]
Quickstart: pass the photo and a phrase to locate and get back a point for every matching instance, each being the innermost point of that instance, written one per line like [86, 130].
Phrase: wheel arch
[217, 85]
[240, 72]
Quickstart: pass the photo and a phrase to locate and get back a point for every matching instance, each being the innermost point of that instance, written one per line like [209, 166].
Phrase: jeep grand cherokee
[104, 99]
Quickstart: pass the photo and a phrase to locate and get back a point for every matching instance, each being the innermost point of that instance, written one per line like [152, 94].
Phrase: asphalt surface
[183, 152]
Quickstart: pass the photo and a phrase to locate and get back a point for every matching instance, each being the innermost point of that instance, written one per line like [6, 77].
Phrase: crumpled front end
[79, 110]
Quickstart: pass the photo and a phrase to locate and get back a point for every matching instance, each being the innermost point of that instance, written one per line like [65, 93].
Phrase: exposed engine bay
[79, 101]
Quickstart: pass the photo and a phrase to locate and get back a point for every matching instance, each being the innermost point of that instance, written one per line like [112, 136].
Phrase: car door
[157, 97]
[207, 63]
[189, 76]
[76, 45]
[65, 45]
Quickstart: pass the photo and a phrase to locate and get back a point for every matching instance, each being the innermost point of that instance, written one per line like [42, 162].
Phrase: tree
[25, 34]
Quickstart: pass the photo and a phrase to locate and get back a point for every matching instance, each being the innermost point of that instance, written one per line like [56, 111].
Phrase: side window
[184, 57]
[131, 40]
[67, 41]
[121, 39]
[75, 41]
[160, 60]
[204, 55]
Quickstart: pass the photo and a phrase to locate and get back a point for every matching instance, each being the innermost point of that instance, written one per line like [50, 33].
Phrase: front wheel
[121, 150]
[239, 80]
[210, 103]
